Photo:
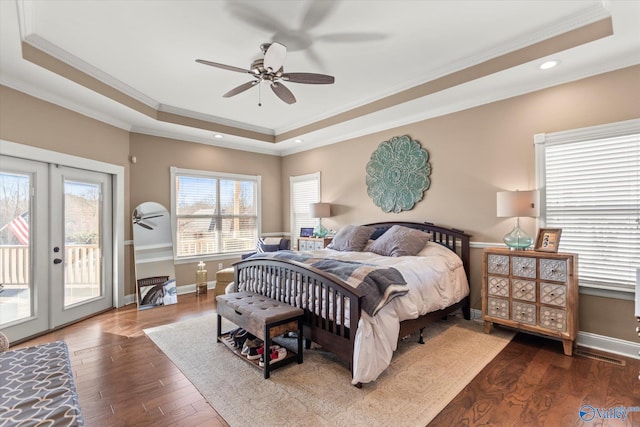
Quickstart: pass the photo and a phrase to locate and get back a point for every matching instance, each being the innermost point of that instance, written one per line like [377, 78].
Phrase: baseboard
[609, 344]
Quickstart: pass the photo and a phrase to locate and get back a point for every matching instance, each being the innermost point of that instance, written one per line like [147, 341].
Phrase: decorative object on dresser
[398, 174]
[320, 210]
[531, 291]
[518, 204]
[313, 243]
[548, 240]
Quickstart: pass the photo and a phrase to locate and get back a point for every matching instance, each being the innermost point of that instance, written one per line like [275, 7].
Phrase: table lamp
[518, 204]
[320, 210]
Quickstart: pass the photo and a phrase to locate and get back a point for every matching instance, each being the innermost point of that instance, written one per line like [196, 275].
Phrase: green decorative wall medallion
[398, 174]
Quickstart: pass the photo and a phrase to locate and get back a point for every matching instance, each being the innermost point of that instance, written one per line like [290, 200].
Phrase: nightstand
[313, 243]
[531, 291]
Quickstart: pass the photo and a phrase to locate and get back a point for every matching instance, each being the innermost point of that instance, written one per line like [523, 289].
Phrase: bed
[339, 316]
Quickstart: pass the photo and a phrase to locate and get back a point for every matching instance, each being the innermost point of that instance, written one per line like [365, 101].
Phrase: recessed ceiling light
[297, 140]
[549, 64]
[217, 136]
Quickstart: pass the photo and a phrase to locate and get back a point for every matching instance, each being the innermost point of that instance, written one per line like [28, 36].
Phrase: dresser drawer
[524, 313]
[523, 289]
[553, 294]
[523, 267]
[553, 318]
[553, 269]
[497, 307]
[498, 264]
[498, 286]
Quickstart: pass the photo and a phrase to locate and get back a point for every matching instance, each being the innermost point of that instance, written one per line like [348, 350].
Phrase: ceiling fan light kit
[270, 69]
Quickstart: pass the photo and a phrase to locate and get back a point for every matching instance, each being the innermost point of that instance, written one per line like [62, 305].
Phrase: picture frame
[306, 232]
[548, 240]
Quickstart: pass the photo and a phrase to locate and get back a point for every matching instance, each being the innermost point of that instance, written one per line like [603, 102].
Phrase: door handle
[57, 261]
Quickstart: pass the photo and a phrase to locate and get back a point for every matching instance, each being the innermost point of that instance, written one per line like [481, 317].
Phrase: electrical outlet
[219, 266]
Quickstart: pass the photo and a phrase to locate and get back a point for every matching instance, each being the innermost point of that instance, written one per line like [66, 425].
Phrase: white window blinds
[215, 213]
[591, 190]
[305, 189]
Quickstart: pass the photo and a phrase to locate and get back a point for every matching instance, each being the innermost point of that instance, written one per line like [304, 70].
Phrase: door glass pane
[82, 258]
[15, 289]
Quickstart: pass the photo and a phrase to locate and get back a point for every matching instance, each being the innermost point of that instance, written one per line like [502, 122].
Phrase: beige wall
[150, 181]
[475, 153]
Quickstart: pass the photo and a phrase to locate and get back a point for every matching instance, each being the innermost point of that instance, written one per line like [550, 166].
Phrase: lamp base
[320, 231]
[517, 239]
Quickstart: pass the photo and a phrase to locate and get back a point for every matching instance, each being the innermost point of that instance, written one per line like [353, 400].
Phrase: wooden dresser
[531, 291]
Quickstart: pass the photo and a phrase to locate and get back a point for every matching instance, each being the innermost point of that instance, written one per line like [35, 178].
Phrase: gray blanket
[379, 284]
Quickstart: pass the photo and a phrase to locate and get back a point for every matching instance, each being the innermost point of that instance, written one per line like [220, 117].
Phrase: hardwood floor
[124, 380]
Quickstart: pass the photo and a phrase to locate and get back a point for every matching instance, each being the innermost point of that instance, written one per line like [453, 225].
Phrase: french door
[55, 245]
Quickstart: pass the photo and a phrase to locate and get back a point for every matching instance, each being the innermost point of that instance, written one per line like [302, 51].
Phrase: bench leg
[299, 341]
[266, 355]
[219, 327]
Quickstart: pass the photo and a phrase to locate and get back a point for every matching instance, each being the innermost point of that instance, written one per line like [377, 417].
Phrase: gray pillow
[400, 241]
[351, 238]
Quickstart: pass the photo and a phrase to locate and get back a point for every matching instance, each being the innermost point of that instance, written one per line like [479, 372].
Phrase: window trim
[175, 171]
[543, 140]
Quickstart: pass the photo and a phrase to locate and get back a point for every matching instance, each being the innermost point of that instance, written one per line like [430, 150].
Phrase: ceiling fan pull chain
[259, 94]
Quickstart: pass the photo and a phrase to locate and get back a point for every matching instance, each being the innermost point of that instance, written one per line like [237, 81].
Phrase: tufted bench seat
[261, 316]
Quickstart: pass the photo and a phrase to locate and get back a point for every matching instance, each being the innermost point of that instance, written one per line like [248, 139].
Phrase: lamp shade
[518, 203]
[320, 210]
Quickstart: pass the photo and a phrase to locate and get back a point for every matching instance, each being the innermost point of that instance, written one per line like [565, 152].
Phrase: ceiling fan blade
[352, 37]
[317, 12]
[143, 225]
[255, 17]
[309, 78]
[240, 89]
[151, 216]
[274, 56]
[223, 66]
[283, 93]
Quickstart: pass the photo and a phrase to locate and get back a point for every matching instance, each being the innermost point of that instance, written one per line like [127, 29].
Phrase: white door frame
[117, 172]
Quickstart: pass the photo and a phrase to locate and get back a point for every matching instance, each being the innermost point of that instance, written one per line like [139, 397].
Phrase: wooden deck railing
[82, 264]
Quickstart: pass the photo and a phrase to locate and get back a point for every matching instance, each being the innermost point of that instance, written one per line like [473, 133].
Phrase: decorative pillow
[268, 244]
[400, 241]
[351, 238]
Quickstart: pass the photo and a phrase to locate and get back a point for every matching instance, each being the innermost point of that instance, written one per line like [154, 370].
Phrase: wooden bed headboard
[452, 238]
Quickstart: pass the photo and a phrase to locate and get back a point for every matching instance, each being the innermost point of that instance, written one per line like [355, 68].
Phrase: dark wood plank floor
[124, 380]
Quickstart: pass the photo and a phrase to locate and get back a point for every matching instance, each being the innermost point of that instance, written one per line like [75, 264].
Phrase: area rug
[420, 382]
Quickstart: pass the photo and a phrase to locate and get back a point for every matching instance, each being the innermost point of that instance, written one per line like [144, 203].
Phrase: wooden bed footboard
[331, 307]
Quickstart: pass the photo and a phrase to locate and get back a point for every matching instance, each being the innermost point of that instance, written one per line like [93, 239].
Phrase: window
[214, 213]
[304, 189]
[590, 188]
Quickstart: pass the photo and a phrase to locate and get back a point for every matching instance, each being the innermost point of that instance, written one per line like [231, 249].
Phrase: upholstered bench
[263, 317]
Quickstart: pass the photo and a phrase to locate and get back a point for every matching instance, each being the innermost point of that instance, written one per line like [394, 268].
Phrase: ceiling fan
[138, 219]
[270, 69]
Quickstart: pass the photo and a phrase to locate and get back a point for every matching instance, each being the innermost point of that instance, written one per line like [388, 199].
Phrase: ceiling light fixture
[297, 140]
[217, 136]
[549, 64]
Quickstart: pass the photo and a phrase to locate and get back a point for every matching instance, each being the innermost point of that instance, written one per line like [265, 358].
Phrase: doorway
[56, 246]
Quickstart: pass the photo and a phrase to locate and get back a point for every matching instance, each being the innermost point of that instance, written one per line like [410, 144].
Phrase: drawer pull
[552, 294]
